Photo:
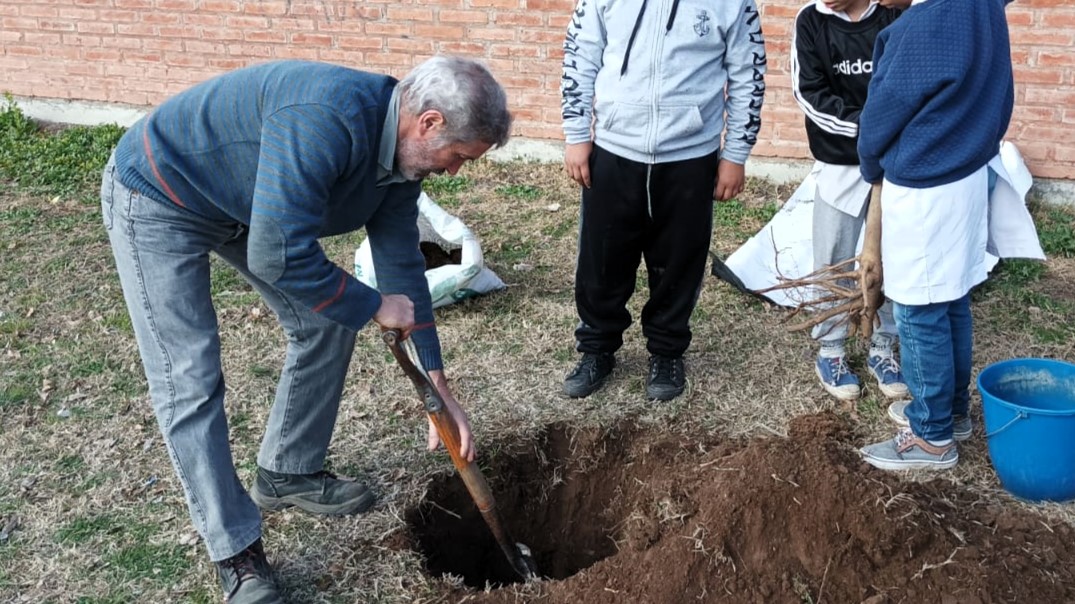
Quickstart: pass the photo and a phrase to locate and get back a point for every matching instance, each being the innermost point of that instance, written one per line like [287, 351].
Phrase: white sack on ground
[451, 282]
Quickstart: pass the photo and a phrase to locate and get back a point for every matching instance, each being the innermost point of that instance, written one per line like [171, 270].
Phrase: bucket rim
[1001, 365]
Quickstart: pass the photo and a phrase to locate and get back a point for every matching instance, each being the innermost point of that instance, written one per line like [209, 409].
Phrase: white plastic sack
[451, 282]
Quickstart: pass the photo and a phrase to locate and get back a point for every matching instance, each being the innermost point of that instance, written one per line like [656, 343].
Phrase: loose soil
[630, 515]
[436, 256]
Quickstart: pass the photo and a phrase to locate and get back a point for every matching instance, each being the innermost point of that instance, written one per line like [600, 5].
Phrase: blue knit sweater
[941, 95]
[290, 149]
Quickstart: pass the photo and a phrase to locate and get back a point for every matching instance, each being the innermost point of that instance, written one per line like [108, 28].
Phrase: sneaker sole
[888, 390]
[274, 504]
[919, 464]
[901, 421]
[584, 393]
[843, 395]
[664, 396]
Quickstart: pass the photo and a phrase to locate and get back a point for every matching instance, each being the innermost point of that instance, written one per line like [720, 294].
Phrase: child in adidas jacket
[939, 103]
[831, 66]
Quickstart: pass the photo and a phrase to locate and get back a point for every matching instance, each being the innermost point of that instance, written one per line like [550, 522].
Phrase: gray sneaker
[909, 452]
[247, 578]
[318, 493]
[962, 427]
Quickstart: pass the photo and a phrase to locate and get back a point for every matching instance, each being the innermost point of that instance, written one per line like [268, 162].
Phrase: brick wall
[139, 52]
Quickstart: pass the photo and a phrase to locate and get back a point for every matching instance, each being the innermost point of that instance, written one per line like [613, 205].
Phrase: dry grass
[94, 514]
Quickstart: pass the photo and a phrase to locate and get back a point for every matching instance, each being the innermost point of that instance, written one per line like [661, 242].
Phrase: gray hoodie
[658, 71]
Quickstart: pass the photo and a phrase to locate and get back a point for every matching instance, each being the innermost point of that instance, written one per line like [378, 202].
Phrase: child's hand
[730, 179]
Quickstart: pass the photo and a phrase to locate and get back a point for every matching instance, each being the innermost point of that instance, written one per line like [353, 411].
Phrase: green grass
[740, 220]
[1056, 230]
[67, 163]
[84, 529]
[445, 189]
[147, 563]
[524, 192]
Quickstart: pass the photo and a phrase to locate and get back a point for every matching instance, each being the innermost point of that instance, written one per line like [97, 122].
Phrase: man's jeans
[162, 255]
[935, 354]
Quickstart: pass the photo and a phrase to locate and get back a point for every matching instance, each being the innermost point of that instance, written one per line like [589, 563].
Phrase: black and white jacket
[831, 66]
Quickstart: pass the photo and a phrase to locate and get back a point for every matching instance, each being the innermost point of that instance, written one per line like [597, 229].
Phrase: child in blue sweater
[938, 105]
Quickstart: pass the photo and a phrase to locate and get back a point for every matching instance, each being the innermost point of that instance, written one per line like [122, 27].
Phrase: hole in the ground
[554, 498]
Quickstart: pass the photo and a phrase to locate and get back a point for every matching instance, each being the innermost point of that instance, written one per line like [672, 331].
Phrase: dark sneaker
[909, 452]
[318, 493]
[836, 378]
[962, 427]
[589, 374]
[667, 378]
[247, 578]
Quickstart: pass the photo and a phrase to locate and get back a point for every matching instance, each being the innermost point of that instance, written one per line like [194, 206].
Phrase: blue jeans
[162, 256]
[935, 354]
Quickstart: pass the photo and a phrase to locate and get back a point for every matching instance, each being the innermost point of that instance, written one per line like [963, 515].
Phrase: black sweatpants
[660, 212]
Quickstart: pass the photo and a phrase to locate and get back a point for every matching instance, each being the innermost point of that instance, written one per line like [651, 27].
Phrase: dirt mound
[629, 515]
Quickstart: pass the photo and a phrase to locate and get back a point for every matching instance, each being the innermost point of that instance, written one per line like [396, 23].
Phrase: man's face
[421, 156]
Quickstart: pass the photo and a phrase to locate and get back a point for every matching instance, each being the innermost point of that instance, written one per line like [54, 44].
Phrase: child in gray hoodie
[648, 87]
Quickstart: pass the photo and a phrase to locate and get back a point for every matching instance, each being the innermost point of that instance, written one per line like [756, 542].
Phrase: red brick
[277, 37]
[239, 22]
[311, 39]
[227, 64]
[1061, 19]
[77, 14]
[1065, 59]
[439, 32]
[80, 40]
[160, 44]
[399, 13]
[160, 18]
[1036, 75]
[518, 4]
[70, 54]
[350, 58]
[461, 48]
[514, 50]
[18, 23]
[513, 18]
[10, 36]
[267, 7]
[292, 24]
[203, 19]
[96, 28]
[249, 50]
[183, 6]
[501, 34]
[220, 33]
[294, 52]
[462, 16]
[115, 16]
[413, 46]
[388, 29]
[94, 54]
[221, 6]
[127, 43]
[207, 48]
[543, 37]
[147, 4]
[180, 31]
[136, 29]
[554, 6]
[31, 10]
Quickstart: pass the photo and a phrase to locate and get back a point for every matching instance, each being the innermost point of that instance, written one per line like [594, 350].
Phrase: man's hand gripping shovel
[517, 554]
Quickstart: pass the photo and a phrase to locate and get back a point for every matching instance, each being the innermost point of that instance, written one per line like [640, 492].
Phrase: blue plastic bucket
[1029, 409]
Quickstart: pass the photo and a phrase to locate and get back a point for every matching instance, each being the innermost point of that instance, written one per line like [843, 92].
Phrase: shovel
[518, 555]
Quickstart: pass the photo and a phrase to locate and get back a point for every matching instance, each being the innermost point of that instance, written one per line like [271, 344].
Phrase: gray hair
[474, 105]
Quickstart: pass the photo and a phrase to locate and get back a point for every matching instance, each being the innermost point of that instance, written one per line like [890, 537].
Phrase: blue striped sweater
[941, 95]
[290, 149]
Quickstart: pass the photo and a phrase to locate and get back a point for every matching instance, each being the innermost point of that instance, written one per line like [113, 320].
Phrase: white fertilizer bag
[449, 243]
